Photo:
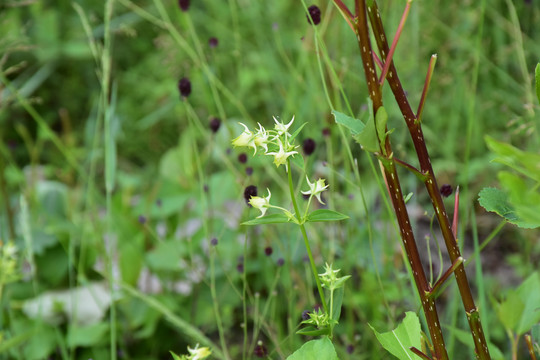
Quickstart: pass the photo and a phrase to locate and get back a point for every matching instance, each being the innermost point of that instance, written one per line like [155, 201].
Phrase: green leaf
[526, 163]
[529, 293]
[176, 357]
[298, 160]
[367, 138]
[87, 335]
[325, 215]
[537, 77]
[268, 219]
[313, 331]
[399, 341]
[535, 333]
[316, 349]
[511, 311]
[380, 122]
[354, 125]
[496, 201]
[296, 132]
[336, 306]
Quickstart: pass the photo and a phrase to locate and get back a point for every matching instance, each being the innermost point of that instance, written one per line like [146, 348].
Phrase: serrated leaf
[399, 341]
[325, 215]
[354, 125]
[315, 349]
[268, 219]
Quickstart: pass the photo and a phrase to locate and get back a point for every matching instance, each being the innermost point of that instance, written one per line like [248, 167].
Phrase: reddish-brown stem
[530, 346]
[429, 74]
[446, 275]
[456, 213]
[388, 59]
[394, 188]
[417, 135]
[419, 353]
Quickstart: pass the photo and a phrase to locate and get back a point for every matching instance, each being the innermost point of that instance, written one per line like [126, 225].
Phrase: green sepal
[313, 331]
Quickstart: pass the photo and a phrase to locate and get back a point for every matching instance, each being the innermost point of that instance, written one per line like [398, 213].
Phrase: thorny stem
[394, 188]
[306, 241]
[417, 135]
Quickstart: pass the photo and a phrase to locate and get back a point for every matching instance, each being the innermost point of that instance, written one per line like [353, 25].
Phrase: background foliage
[178, 184]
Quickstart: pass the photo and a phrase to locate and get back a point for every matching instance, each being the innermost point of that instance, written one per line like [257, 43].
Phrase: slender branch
[445, 276]
[432, 188]
[419, 353]
[530, 346]
[388, 59]
[429, 74]
[306, 241]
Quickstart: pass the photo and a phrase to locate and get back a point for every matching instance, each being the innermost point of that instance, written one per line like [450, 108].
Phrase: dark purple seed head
[242, 158]
[250, 191]
[280, 262]
[213, 241]
[184, 86]
[159, 202]
[240, 268]
[268, 250]
[446, 190]
[309, 146]
[350, 349]
[249, 171]
[213, 42]
[184, 4]
[215, 123]
[260, 350]
[305, 314]
[326, 132]
[314, 16]
[142, 219]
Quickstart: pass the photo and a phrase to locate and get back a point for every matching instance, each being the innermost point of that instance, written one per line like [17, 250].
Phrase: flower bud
[215, 124]
[446, 190]
[309, 146]
[184, 87]
[314, 16]
[184, 4]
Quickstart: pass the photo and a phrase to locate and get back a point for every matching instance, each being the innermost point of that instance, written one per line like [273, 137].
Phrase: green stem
[306, 241]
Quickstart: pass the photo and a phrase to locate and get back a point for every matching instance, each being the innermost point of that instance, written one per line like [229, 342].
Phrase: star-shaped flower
[315, 189]
[261, 138]
[281, 128]
[199, 353]
[261, 203]
[245, 139]
[280, 157]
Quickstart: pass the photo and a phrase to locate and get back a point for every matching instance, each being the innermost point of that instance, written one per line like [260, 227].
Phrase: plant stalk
[394, 188]
[306, 241]
[415, 130]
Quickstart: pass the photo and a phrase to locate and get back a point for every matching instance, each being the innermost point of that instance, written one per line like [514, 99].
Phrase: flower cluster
[278, 138]
[330, 280]
[278, 143]
[194, 354]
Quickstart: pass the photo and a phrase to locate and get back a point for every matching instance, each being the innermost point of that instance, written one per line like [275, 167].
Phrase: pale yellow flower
[282, 128]
[261, 203]
[280, 157]
[315, 189]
